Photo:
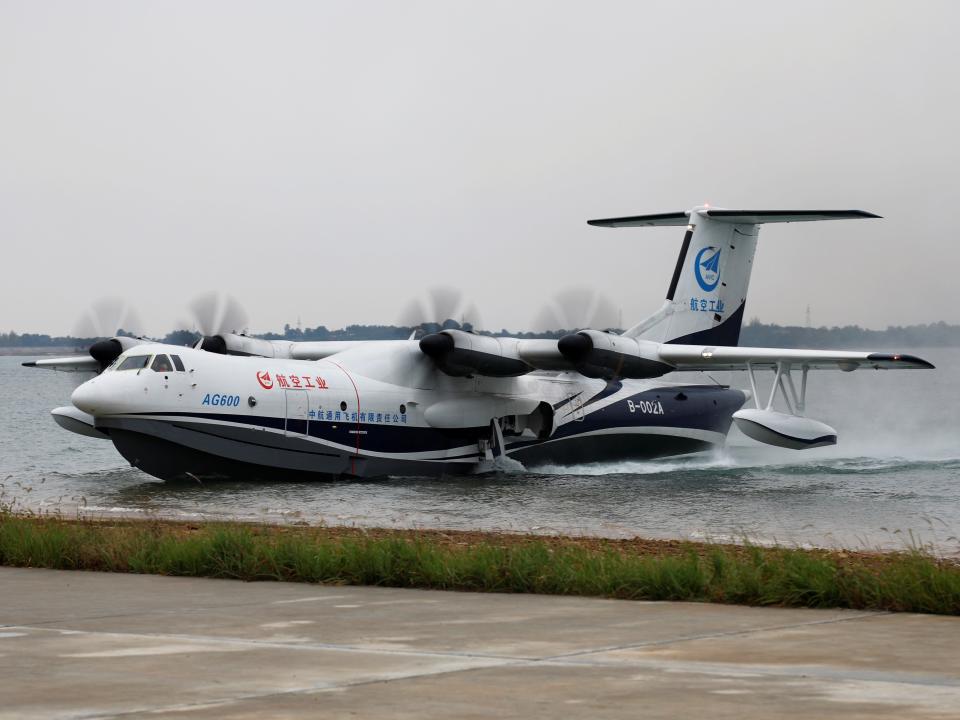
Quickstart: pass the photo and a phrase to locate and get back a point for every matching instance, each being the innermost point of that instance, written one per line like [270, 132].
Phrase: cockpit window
[134, 362]
[178, 363]
[161, 364]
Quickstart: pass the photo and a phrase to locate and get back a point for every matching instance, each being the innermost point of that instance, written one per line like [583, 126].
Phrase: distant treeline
[40, 340]
[351, 332]
[393, 332]
[755, 333]
[851, 337]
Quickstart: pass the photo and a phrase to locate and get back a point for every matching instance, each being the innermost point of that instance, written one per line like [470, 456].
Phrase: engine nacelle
[783, 430]
[106, 351]
[233, 344]
[603, 355]
[462, 354]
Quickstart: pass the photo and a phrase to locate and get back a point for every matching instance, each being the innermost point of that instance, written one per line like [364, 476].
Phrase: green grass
[911, 581]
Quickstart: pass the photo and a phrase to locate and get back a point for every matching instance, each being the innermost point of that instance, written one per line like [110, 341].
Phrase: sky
[330, 162]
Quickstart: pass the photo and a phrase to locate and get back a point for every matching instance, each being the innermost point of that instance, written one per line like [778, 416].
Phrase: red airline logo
[301, 382]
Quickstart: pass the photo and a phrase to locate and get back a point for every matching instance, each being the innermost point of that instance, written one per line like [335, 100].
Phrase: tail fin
[708, 293]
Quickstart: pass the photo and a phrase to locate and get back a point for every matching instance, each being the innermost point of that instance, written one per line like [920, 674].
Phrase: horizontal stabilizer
[655, 220]
[742, 217]
[759, 217]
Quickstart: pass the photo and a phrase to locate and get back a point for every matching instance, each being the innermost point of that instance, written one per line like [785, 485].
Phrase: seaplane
[454, 401]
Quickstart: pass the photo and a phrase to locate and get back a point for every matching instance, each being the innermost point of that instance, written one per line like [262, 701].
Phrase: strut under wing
[704, 357]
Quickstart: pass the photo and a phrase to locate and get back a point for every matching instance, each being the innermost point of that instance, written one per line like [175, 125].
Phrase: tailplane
[708, 292]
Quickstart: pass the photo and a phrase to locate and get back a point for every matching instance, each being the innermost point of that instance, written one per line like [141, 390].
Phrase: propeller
[577, 309]
[105, 320]
[440, 304]
[215, 313]
[440, 308]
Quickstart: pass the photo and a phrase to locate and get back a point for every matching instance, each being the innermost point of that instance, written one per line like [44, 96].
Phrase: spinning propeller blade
[103, 322]
[106, 318]
[577, 309]
[442, 303]
[217, 313]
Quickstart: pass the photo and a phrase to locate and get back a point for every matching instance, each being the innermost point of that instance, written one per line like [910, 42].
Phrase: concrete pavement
[77, 644]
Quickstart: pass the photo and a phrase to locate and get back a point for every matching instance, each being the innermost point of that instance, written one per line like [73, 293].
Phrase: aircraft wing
[543, 355]
[702, 357]
[320, 349]
[83, 363]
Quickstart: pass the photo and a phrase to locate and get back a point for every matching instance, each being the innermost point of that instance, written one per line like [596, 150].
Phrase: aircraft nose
[86, 397]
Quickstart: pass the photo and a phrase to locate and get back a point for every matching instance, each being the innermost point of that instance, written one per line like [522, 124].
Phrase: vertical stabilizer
[708, 291]
[706, 298]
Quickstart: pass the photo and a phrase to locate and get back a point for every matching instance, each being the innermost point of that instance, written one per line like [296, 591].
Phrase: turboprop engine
[603, 355]
[462, 354]
[220, 320]
[233, 344]
[106, 351]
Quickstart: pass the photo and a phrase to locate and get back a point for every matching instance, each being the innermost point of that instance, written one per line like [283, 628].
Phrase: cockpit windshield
[134, 362]
[161, 364]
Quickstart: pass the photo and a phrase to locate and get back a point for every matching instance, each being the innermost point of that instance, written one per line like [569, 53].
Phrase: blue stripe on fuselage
[692, 407]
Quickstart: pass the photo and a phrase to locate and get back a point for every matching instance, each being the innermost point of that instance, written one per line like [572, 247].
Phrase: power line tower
[808, 316]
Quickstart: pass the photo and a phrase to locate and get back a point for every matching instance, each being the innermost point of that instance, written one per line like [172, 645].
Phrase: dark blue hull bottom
[170, 460]
[604, 448]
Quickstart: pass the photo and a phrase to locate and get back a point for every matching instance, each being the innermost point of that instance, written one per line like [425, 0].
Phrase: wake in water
[759, 458]
[719, 459]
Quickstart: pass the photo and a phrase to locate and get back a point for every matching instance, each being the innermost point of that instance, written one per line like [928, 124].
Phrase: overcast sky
[331, 160]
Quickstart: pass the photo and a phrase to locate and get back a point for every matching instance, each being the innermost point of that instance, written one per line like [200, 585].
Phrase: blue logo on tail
[707, 271]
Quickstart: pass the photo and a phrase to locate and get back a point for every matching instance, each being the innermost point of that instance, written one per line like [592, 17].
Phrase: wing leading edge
[84, 363]
[701, 357]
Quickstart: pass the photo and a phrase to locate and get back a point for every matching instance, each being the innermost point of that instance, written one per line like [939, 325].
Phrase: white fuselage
[379, 408]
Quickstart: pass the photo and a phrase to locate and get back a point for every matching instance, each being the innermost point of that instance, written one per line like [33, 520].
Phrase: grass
[911, 581]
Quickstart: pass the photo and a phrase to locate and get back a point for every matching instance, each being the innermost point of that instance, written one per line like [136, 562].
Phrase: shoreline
[484, 561]
[910, 541]
[63, 350]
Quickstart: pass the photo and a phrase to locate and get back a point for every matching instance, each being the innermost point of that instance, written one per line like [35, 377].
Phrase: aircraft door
[298, 409]
[577, 409]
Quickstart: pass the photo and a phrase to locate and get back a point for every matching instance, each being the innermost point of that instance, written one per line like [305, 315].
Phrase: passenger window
[161, 364]
[177, 362]
[134, 362]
